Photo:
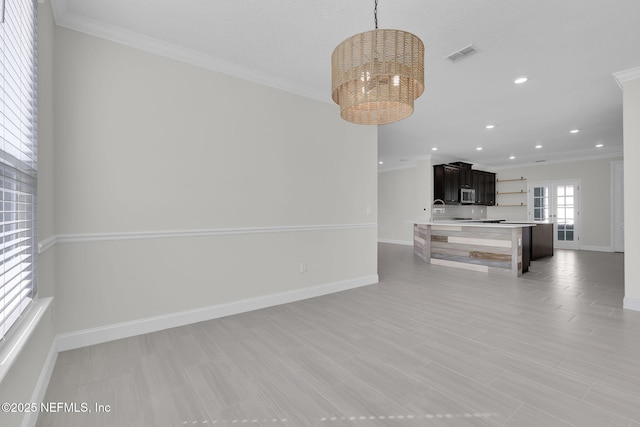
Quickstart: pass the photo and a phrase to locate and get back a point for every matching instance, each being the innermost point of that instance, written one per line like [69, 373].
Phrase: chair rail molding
[51, 241]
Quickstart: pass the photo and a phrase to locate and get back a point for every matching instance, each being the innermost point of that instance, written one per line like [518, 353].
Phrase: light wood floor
[426, 346]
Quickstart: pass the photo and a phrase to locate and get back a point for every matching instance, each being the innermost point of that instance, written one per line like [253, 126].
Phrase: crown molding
[575, 159]
[135, 40]
[626, 75]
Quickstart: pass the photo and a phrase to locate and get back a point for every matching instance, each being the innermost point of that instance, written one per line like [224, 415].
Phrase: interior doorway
[557, 202]
[617, 205]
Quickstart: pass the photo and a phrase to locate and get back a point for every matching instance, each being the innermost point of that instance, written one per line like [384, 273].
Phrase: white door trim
[552, 185]
[617, 212]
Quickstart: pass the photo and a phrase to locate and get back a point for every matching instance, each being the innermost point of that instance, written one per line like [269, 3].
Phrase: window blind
[18, 160]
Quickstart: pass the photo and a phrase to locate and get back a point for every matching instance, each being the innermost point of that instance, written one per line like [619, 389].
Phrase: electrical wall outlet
[303, 267]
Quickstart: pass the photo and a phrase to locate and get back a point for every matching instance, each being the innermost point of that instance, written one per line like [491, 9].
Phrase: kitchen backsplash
[439, 212]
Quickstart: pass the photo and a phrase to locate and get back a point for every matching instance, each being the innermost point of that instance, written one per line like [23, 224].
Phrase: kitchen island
[488, 247]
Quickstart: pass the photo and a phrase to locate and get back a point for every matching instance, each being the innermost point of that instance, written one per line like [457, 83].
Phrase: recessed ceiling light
[380, 163]
[512, 157]
[490, 126]
[574, 131]
[478, 148]
[599, 145]
[539, 146]
[434, 149]
[520, 80]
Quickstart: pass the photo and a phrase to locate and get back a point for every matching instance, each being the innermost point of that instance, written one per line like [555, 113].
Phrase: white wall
[595, 191]
[21, 380]
[146, 144]
[403, 194]
[255, 180]
[632, 205]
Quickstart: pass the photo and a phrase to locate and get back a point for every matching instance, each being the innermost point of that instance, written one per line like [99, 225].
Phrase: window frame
[18, 163]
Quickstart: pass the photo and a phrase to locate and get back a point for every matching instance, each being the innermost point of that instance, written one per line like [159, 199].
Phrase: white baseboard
[83, 338]
[87, 337]
[31, 418]
[397, 242]
[631, 303]
[596, 248]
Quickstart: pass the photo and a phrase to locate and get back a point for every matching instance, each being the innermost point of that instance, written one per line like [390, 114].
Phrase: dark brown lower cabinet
[526, 248]
[537, 242]
[541, 241]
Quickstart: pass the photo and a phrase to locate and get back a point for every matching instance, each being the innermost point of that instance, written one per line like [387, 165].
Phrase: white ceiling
[569, 49]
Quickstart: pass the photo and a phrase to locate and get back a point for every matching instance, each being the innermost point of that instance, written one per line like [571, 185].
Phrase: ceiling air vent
[462, 53]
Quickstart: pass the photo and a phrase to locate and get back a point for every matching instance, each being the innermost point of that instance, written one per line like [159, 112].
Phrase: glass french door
[557, 202]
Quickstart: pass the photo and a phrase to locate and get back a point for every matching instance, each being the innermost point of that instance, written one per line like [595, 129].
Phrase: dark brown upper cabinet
[448, 179]
[466, 174]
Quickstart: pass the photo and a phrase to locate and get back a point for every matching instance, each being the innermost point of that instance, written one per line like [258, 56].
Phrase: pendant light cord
[375, 13]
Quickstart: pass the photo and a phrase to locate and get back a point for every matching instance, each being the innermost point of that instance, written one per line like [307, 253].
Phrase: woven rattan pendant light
[377, 75]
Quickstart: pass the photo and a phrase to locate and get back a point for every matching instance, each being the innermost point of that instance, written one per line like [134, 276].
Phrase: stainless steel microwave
[467, 196]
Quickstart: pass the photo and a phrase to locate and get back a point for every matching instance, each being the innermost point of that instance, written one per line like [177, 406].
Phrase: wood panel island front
[491, 248]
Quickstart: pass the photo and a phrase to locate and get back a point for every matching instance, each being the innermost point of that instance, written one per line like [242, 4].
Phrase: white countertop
[470, 223]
